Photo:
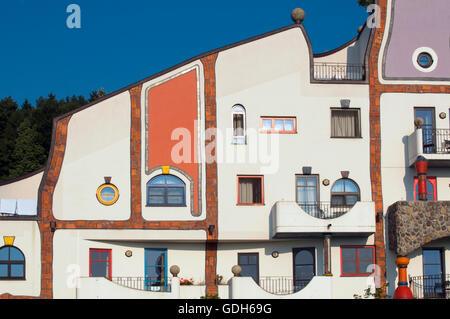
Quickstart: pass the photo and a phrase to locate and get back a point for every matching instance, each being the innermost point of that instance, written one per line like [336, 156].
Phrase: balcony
[324, 71]
[290, 219]
[433, 144]
[430, 287]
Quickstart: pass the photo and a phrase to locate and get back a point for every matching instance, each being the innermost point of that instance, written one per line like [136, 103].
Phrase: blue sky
[121, 42]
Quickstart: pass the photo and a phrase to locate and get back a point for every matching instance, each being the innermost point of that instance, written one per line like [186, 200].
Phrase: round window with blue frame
[166, 191]
[107, 194]
[425, 60]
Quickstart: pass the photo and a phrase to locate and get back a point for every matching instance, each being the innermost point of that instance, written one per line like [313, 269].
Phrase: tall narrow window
[345, 123]
[250, 190]
[249, 263]
[155, 268]
[239, 123]
[344, 192]
[307, 187]
[428, 128]
[431, 188]
[100, 263]
[12, 263]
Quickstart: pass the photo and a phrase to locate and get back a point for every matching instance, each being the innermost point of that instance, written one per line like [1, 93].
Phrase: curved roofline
[343, 46]
[16, 179]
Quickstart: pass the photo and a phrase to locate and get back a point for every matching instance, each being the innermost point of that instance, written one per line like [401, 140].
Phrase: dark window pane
[432, 270]
[365, 253]
[364, 267]
[4, 253]
[348, 267]
[304, 257]
[171, 191]
[95, 255]
[175, 200]
[104, 255]
[349, 253]
[337, 200]
[431, 256]
[99, 269]
[156, 191]
[243, 259]
[156, 200]
[238, 125]
[304, 272]
[3, 270]
[17, 270]
[351, 200]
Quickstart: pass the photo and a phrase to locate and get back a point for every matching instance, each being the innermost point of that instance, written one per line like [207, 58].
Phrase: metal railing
[339, 71]
[143, 283]
[436, 141]
[430, 287]
[282, 285]
[324, 210]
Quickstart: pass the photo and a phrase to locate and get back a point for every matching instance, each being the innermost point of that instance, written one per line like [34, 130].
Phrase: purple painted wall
[418, 23]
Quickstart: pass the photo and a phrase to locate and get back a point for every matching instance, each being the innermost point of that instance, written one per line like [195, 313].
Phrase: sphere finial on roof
[298, 15]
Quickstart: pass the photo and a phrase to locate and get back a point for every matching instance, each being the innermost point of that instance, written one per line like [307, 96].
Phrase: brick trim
[376, 90]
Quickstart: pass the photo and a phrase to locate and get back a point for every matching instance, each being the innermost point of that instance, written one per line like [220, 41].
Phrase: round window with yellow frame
[107, 194]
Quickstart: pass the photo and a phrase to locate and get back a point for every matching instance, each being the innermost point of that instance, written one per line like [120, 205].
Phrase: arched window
[344, 192]
[12, 263]
[166, 190]
[238, 118]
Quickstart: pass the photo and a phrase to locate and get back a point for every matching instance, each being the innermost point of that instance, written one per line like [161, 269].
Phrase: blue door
[155, 269]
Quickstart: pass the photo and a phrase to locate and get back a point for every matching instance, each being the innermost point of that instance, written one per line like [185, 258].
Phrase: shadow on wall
[408, 177]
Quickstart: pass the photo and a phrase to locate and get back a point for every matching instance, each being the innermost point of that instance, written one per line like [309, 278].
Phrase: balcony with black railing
[280, 285]
[143, 283]
[290, 219]
[433, 144]
[326, 71]
[430, 287]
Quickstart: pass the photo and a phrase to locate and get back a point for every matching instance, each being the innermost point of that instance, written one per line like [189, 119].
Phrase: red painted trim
[262, 190]
[100, 250]
[273, 118]
[357, 260]
[432, 180]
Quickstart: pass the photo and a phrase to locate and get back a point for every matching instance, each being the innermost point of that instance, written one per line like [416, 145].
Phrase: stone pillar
[421, 168]
[402, 291]
[327, 255]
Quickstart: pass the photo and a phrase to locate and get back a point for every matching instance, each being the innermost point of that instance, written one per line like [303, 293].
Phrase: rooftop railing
[339, 71]
[430, 287]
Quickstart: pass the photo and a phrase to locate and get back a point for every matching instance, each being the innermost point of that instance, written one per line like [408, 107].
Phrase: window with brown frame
[250, 190]
[345, 123]
[355, 260]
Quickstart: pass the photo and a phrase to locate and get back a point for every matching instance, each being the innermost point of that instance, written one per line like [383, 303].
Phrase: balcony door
[304, 266]
[155, 268]
[428, 128]
[307, 187]
[433, 273]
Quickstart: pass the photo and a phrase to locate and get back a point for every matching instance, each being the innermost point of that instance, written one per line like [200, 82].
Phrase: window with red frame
[355, 260]
[431, 188]
[250, 190]
[100, 263]
[278, 125]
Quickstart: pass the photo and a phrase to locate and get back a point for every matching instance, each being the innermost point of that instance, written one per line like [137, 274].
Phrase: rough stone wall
[413, 224]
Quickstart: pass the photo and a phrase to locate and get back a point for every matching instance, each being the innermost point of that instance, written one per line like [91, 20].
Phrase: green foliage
[25, 132]
[380, 293]
[364, 3]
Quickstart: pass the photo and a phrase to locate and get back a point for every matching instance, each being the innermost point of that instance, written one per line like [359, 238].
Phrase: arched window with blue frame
[345, 192]
[166, 191]
[12, 263]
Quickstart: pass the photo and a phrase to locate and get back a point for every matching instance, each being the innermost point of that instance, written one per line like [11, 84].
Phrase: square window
[345, 123]
[100, 263]
[356, 260]
[250, 190]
